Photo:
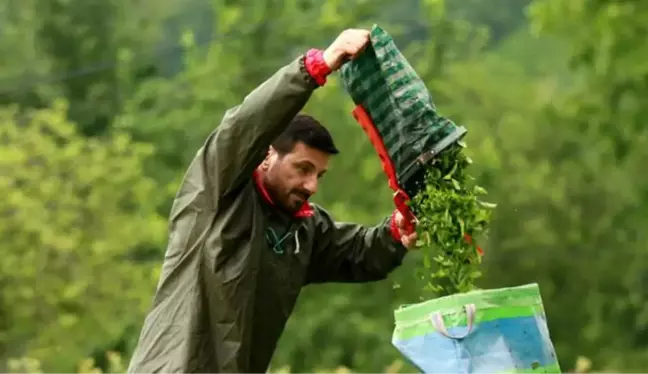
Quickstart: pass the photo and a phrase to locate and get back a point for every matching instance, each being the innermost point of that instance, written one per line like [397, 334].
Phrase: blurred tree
[605, 114]
[72, 208]
[78, 49]
[500, 17]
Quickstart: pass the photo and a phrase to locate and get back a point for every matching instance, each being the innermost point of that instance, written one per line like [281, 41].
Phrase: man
[244, 238]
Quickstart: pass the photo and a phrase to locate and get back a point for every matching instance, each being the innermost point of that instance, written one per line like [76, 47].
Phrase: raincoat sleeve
[352, 253]
[239, 144]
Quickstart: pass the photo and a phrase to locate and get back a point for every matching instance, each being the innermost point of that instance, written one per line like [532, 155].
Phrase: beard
[288, 200]
[292, 200]
[298, 197]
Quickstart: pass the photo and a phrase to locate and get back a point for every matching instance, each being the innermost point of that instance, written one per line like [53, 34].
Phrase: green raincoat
[225, 292]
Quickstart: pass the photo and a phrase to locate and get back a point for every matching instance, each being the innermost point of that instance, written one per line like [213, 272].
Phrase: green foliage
[450, 216]
[501, 24]
[73, 211]
[82, 50]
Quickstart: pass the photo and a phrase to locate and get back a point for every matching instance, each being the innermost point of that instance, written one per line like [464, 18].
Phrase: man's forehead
[303, 153]
[300, 147]
[304, 150]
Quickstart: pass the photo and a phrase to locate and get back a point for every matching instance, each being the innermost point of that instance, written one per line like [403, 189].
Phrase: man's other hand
[347, 46]
[409, 241]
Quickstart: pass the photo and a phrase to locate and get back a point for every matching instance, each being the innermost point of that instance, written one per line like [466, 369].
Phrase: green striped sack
[397, 101]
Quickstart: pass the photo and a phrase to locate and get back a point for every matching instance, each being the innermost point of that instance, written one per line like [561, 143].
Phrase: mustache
[302, 193]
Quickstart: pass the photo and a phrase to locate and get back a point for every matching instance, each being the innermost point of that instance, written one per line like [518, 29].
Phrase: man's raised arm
[237, 146]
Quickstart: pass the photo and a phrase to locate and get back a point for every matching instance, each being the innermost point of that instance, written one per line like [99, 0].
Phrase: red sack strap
[400, 197]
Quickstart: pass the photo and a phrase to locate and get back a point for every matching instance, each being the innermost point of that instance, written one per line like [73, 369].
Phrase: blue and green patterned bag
[488, 331]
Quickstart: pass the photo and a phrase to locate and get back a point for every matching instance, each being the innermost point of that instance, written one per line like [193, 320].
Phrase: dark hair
[306, 129]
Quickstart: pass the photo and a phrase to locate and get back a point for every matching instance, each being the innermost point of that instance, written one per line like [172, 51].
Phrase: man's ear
[266, 161]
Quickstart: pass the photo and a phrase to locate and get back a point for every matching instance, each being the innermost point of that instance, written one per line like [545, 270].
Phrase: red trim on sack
[316, 66]
[361, 115]
[305, 211]
[400, 197]
[393, 228]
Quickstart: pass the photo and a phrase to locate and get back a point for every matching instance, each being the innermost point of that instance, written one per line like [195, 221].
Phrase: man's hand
[408, 240]
[348, 45]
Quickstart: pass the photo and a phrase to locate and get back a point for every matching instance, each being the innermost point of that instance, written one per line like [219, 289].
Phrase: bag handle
[439, 325]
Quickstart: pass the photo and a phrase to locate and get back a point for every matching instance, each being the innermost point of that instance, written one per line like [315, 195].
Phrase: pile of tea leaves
[450, 218]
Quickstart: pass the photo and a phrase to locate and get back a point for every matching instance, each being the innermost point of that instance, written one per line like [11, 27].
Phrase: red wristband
[393, 229]
[316, 66]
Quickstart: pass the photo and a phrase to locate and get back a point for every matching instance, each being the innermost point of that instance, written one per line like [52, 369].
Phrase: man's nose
[311, 184]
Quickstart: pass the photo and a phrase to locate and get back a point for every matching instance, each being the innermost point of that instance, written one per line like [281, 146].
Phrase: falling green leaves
[450, 216]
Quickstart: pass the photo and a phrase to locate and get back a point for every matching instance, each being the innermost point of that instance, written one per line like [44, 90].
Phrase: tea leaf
[487, 205]
[478, 190]
[426, 262]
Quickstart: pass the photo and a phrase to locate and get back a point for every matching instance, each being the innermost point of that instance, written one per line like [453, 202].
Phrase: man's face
[292, 179]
